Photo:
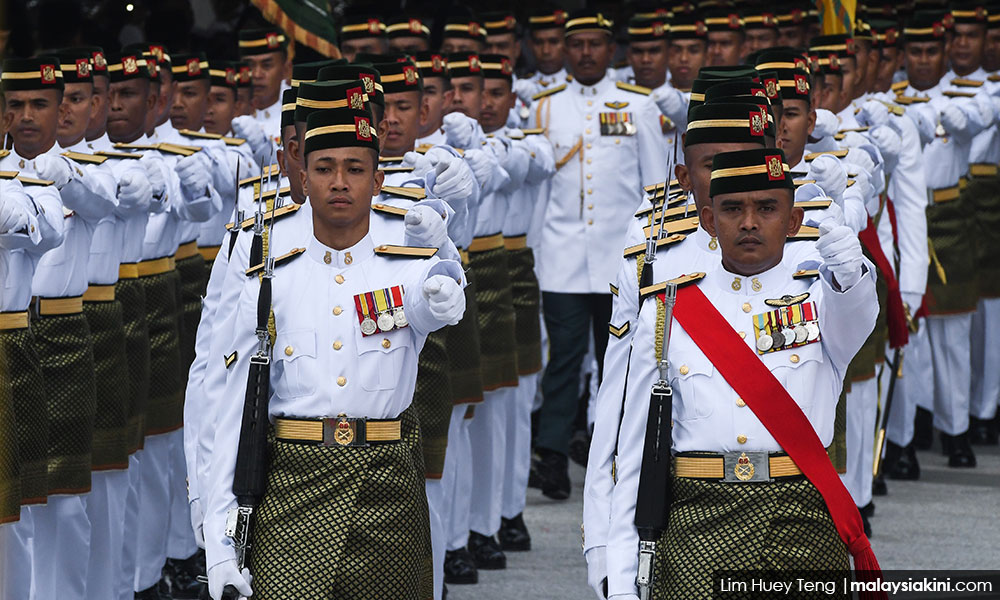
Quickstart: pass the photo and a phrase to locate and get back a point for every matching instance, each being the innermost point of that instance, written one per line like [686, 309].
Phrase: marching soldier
[408, 33]
[266, 51]
[462, 34]
[725, 35]
[433, 68]
[651, 53]
[761, 27]
[548, 46]
[362, 34]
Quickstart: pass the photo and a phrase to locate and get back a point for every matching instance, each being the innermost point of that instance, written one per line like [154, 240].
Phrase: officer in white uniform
[267, 52]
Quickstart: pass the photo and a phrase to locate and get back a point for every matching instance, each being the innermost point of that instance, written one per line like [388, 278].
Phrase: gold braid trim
[640, 261]
[661, 316]
[937, 263]
[272, 329]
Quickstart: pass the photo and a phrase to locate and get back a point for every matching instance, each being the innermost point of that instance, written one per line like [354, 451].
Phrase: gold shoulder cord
[640, 261]
[272, 329]
[661, 316]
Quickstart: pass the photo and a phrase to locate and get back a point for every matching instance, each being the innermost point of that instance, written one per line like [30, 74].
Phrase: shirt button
[588, 133]
[590, 222]
[740, 402]
[590, 160]
[590, 190]
[338, 345]
[684, 370]
[589, 145]
[589, 117]
[618, 141]
[339, 279]
[794, 358]
[590, 102]
[386, 343]
[337, 310]
[590, 206]
[743, 334]
[741, 438]
[341, 381]
[590, 175]
[289, 350]
[746, 307]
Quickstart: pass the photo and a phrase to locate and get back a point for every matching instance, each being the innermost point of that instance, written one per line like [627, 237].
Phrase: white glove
[841, 252]
[421, 163]
[889, 145]
[832, 214]
[597, 569]
[863, 182]
[670, 102]
[526, 90]
[483, 165]
[247, 128]
[194, 175]
[198, 521]
[829, 174]
[873, 114]
[455, 183]
[516, 163]
[445, 298]
[13, 215]
[460, 131]
[226, 573]
[826, 124]
[155, 174]
[134, 190]
[953, 119]
[54, 168]
[425, 227]
[913, 300]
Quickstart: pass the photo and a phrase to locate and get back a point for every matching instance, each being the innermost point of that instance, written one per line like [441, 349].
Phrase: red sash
[784, 420]
[899, 333]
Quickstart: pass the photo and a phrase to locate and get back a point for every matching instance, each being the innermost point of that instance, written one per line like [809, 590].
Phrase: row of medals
[386, 321]
[800, 334]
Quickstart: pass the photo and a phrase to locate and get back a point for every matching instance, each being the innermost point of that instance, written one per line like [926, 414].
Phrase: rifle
[250, 477]
[897, 367]
[652, 505]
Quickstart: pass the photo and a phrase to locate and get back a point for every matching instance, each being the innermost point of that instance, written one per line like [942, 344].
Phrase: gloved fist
[247, 128]
[155, 174]
[425, 227]
[460, 131]
[873, 114]
[226, 573]
[421, 163]
[516, 164]
[54, 168]
[826, 124]
[889, 145]
[134, 189]
[597, 569]
[193, 174]
[953, 119]
[198, 521]
[841, 252]
[867, 192]
[829, 174]
[525, 90]
[454, 182]
[670, 102]
[445, 298]
[483, 165]
[913, 300]
[833, 213]
[14, 216]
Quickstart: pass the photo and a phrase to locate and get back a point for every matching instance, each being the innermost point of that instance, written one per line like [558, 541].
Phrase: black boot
[553, 474]
[151, 593]
[514, 536]
[486, 552]
[183, 576]
[579, 447]
[901, 463]
[923, 429]
[958, 450]
[983, 432]
[879, 488]
[866, 524]
[459, 568]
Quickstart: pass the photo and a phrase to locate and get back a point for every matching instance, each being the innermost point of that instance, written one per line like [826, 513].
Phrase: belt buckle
[746, 467]
[344, 431]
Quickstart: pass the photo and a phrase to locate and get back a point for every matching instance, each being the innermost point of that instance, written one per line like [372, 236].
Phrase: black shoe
[444, 592]
[150, 593]
[486, 552]
[579, 448]
[459, 568]
[514, 536]
[923, 429]
[958, 450]
[553, 473]
[867, 510]
[879, 488]
[534, 477]
[983, 432]
[901, 463]
[183, 576]
[866, 524]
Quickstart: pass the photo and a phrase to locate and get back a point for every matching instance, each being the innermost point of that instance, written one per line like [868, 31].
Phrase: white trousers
[487, 434]
[985, 359]
[16, 541]
[126, 573]
[61, 549]
[154, 512]
[456, 479]
[435, 502]
[517, 463]
[106, 511]
[952, 354]
[181, 542]
[915, 388]
[862, 411]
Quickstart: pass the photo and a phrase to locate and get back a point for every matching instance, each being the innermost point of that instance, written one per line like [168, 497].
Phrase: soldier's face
[752, 228]
[505, 44]
[129, 102]
[991, 53]
[451, 45]
[925, 63]
[797, 122]
[244, 106]
[78, 108]
[340, 183]
[438, 96]
[31, 118]
[793, 36]
[695, 174]
[588, 54]
[369, 45]
[290, 164]
[165, 96]
[221, 109]
[498, 100]
[267, 71]
[888, 64]
[760, 39]
[548, 46]
[409, 44]
[968, 42]
[400, 124]
[832, 94]
[849, 76]
[99, 122]
[724, 48]
[190, 102]
[685, 58]
[649, 62]
[467, 96]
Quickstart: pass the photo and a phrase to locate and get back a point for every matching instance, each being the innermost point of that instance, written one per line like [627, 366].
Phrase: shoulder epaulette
[657, 187]
[805, 273]
[284, 211]
[687, 225]
[8, 174]
[422, 148]
[899, 86]
[268, 171]
[405, 251]
[389, 210]
[678, 281]
[233, 141]
[850, 182]
[383, 159]
[549, 92]
[413, 193]
[4, 153]
[199, 135]
[813, 204]
[994, 78]
[801, 182]
[117, 155]
[854, 129]
[806, 233]
[176, 149]
[908, 100]
[618, 332]
[33, 180]
[533, 131]
[628, 87]
[963, 82]
[673, 214]
[123, 146]
[284, 258]
[662, 242]
[84, 158]
[396, 169]
[813, 156]
[954, 94]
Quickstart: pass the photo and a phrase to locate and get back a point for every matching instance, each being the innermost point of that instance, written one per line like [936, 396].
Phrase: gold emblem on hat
[48, 73]
[474, 64]
[157, 52]
[734, 21]
[473, 28]
[744, 468]
[657, 29]
[800, 84]
[369, 83]
[129, 65]
[774, 168]
[363, 128]
[437, 63]
[505, 67]
[756, 123]
[416, 26]
[355, 99]
[271, 39]
[700, 29]
[772, 88]
[409, 74]
[230, 76]
[193, 67]
[344, 434]
[100, 63]
[373, 26]
[83, 68]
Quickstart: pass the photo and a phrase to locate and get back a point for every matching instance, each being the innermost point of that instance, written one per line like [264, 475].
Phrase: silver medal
[400, 318]
[812, 327]
[368, 326]
[801, 333]
[764, 342]
[386, 322]
[779, 340]
[789, 336]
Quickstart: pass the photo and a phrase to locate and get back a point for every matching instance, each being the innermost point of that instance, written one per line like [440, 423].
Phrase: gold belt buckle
[746, 467]
[344, 431]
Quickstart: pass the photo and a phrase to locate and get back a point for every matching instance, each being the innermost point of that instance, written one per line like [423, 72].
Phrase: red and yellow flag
[836, 16]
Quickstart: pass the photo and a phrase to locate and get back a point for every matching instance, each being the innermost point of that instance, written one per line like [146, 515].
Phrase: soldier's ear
[795, 221]
[379, 181]
[707, 218]
[683, 176]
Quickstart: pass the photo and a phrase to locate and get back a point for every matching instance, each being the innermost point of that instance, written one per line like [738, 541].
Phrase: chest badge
[380, 311]
[617, 123]
[616, 105]
[786, 327]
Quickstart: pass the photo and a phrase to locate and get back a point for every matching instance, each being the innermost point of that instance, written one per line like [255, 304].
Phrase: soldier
[725, 38]
[362, 33]
[408, 33]
[266, 51]
[839, 308]
[340, 177]
[244, 90]
[650, 54]
[761, 27]
[462, 34]
[793, 25]
[548, 46]
[575, 256]
[438, 95]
